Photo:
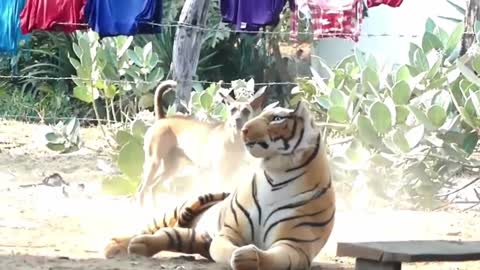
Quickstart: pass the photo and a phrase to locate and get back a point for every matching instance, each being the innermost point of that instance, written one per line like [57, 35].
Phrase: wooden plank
[362, 264]
[412, 251]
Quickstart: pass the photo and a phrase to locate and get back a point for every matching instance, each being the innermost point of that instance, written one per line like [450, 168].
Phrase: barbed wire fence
[177, 25]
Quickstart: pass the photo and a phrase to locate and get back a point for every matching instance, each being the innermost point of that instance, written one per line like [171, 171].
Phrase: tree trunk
[186, 48]
[473, 14]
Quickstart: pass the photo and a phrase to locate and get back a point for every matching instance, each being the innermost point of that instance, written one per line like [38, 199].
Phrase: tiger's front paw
[141, 245]
[117, 247]
[246, 258]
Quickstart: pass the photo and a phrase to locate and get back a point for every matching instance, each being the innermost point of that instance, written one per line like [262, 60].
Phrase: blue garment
[10, 34]
[251, 15]
[123, 17]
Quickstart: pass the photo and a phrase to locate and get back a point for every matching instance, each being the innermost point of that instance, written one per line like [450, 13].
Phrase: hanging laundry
[330, 18]
[10, 34]
[52, 15]
[391, 3]
[124, 17]
[252, 15]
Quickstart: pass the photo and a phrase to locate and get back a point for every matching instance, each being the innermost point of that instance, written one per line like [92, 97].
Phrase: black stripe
[192, 240]
[285, 141]
[170, 239]
[182, 222]
[299, 240]
[155, 224]
[207, 241]
[274, 224]
[300, 138]
[233, 210]
[277, 186]
[301, 251]
[316, 224]
[231, 228]
[183, 204]
[179, 243]
[289, 262]
[306, 191]
[164, 220]
[292, 135]
[316, 195]
[175, 213]
[310, 158]
[148, 231]
[229, 238]
[201, 199]
[247, 214]
[255, 198]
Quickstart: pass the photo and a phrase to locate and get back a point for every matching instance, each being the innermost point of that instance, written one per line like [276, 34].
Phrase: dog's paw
[246, 258]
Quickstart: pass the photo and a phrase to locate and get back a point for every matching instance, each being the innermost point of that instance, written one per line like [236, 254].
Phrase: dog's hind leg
[156, 153]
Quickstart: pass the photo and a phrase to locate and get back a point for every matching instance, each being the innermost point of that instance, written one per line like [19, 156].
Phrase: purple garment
[251, 15]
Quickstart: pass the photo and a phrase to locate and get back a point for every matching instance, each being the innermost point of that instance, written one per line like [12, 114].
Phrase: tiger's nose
[245, 131]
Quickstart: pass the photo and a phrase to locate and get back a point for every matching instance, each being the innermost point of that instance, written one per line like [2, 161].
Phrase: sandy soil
[66, 227]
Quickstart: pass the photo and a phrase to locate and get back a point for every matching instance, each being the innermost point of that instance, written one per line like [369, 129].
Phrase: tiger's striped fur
[279, 219]
[177, 222]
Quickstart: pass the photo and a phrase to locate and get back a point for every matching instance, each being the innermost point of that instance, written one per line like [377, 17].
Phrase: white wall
[409, 18]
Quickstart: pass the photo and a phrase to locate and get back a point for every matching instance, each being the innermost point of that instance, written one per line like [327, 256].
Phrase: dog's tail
[157, 103]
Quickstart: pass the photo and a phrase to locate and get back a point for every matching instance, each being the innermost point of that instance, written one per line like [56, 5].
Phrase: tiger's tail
[182, 216]
[157, 102]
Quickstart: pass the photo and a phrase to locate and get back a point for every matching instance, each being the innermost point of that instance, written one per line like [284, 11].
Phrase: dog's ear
[258, 99]
[226, 97]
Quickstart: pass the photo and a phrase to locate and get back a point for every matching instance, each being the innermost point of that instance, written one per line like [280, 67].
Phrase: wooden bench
[391, 255]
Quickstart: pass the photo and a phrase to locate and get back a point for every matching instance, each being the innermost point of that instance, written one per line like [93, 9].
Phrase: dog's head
[239, 112]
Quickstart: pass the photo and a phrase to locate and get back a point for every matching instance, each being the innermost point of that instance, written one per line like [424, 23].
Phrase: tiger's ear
[258, 99]
[271, 106]
[301, 109]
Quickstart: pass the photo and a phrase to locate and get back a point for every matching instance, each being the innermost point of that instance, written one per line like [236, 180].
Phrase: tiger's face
[280, 131]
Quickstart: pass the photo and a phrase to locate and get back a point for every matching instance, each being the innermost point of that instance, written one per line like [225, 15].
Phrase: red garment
[391, 3]
[343, 22]
[52, 15]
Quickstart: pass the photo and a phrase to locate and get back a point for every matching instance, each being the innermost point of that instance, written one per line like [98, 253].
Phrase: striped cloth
[342, 22]
[391, 3]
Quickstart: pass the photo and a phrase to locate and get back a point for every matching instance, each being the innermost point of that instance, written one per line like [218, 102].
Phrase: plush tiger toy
[279, 219]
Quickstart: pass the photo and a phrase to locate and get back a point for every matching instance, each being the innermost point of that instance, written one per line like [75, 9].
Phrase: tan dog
[215, 147]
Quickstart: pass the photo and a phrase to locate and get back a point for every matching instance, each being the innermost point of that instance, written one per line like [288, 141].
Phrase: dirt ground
[67, 227]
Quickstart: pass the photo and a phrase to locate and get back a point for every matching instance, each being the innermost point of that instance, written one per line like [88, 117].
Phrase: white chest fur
[272, 202]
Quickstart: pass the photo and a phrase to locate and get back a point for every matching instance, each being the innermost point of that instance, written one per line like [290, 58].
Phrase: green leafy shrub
[64, 138]
[408, 131]
[26, 96]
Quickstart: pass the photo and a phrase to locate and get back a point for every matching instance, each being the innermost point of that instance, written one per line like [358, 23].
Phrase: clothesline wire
[281, 33]
[126, 81]
[54, 118]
